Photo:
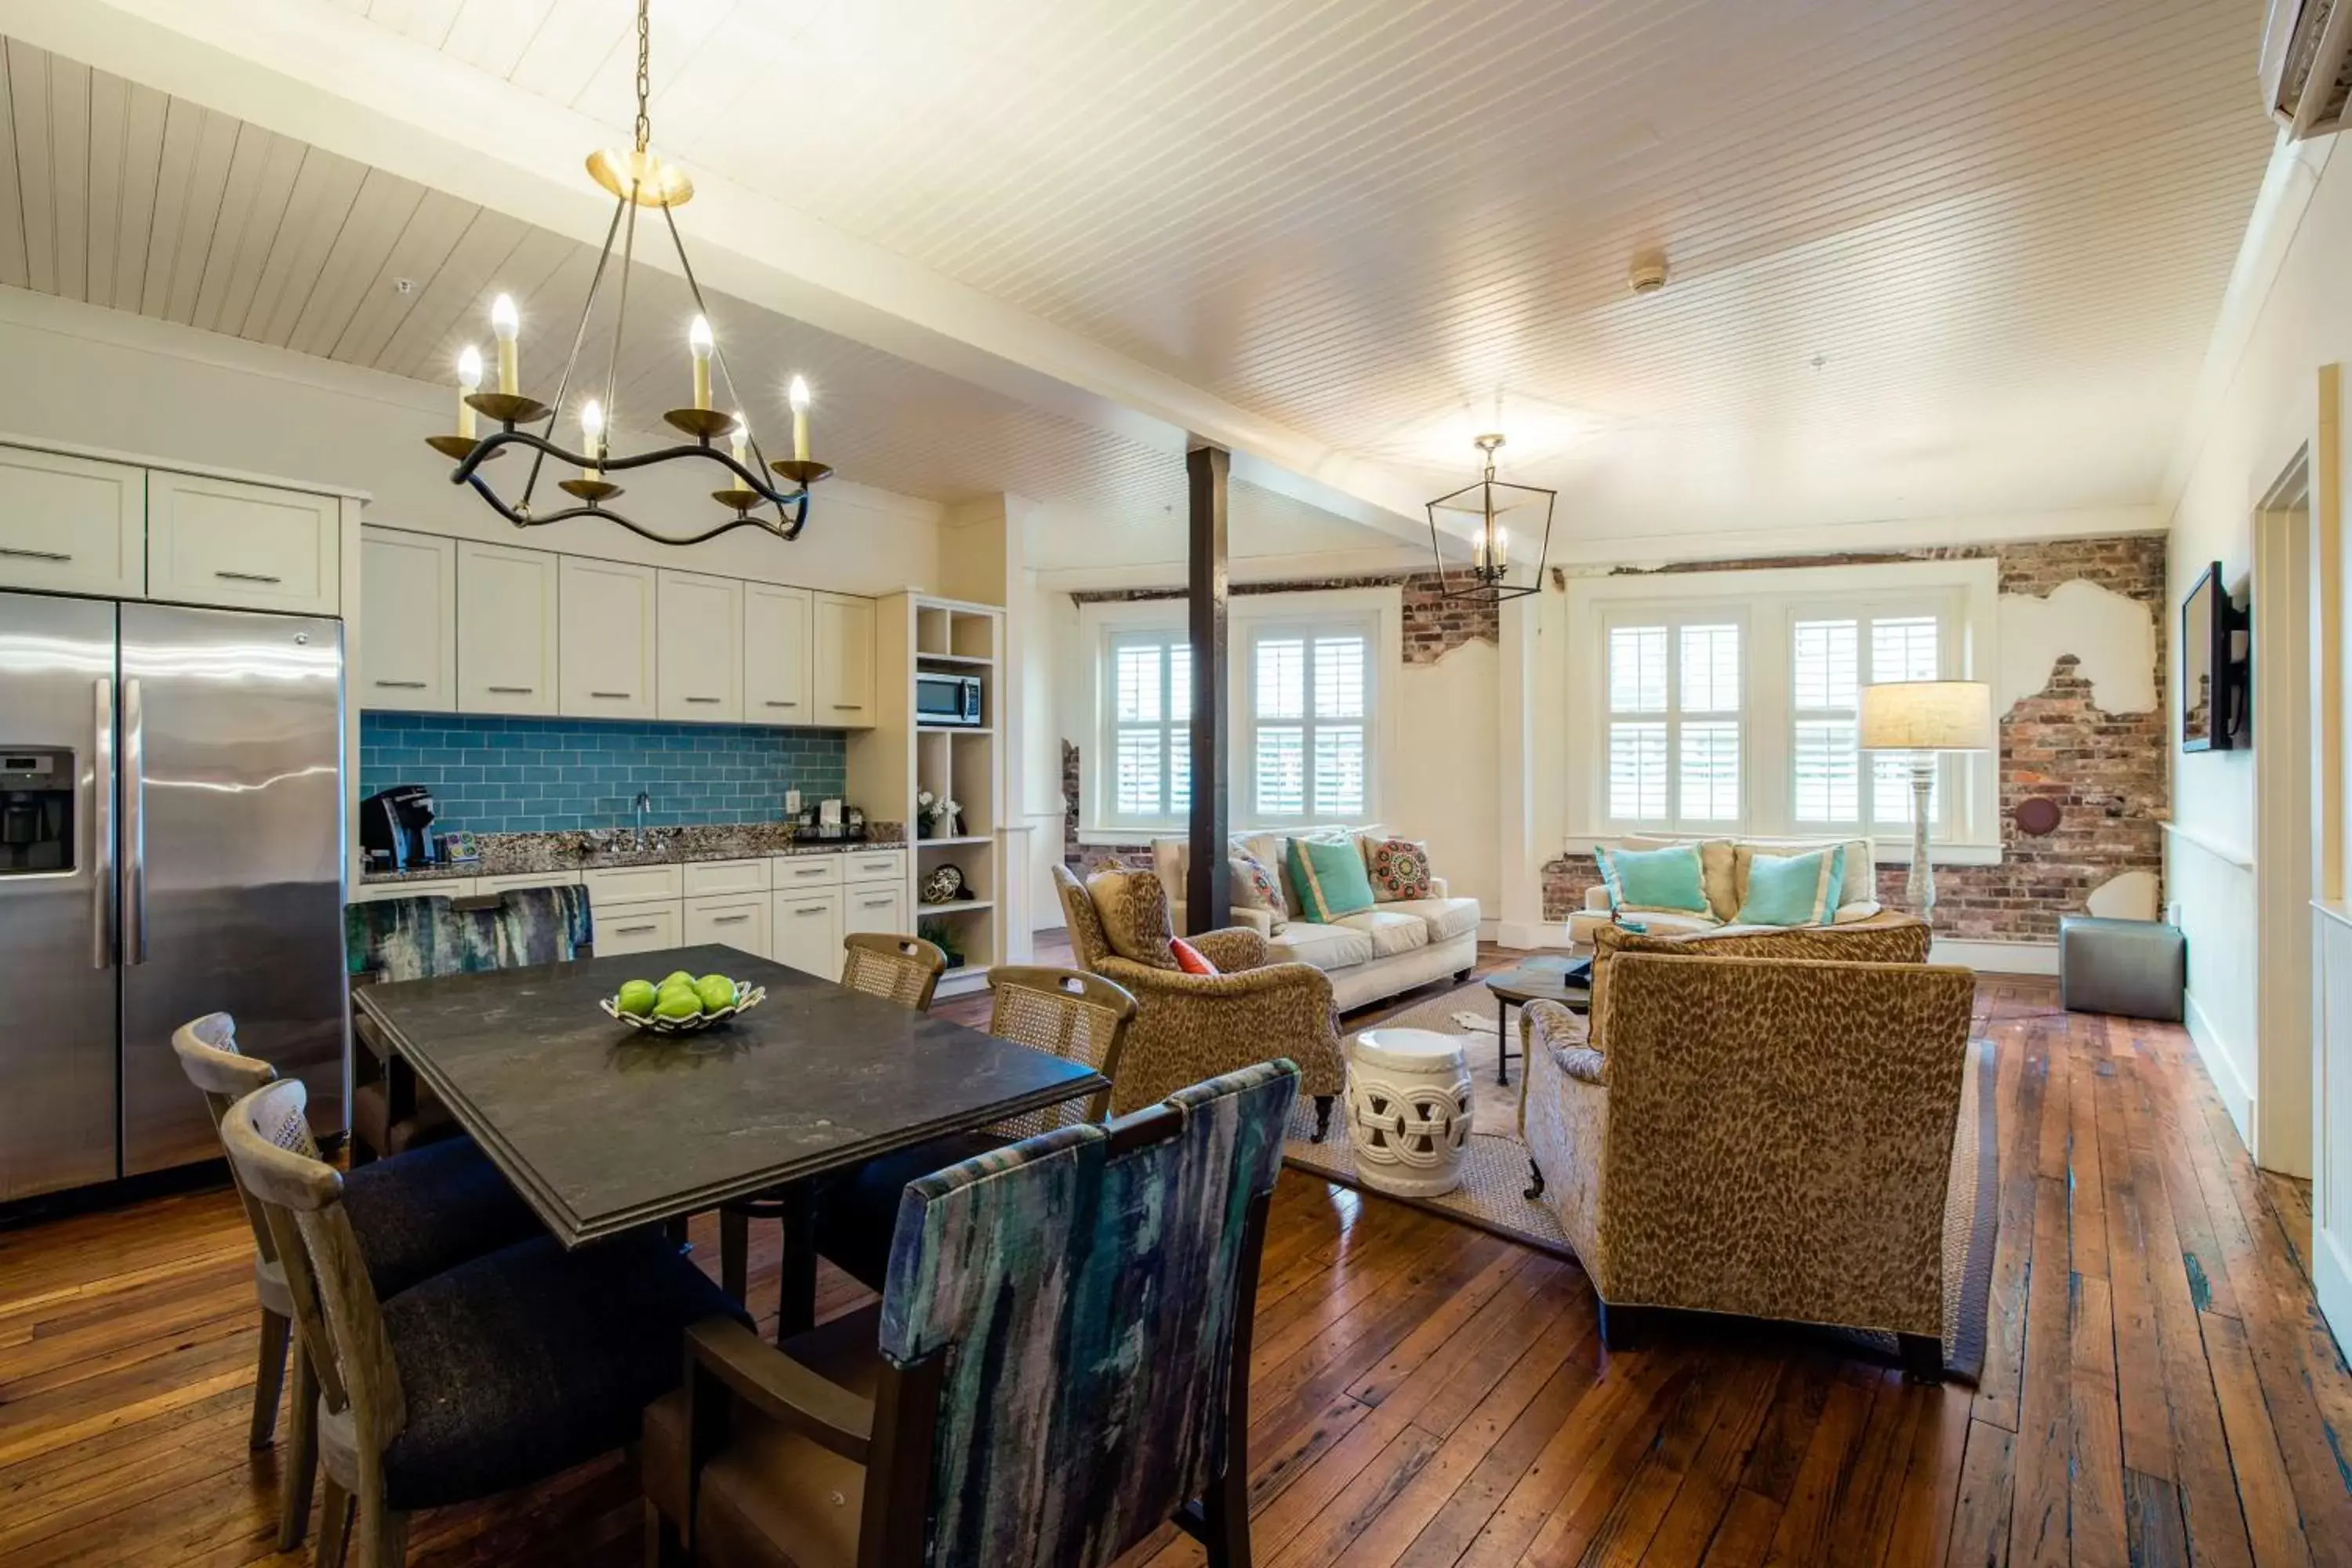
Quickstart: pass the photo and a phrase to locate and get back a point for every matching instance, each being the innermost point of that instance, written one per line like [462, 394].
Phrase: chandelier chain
[644, 72]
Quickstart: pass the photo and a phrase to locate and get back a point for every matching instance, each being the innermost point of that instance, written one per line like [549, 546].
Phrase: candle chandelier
[1481, 507]
[635, 179]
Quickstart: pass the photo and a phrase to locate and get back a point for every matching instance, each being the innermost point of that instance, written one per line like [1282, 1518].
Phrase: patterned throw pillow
[1133, 908]
[1255, 887]
[1399, 867]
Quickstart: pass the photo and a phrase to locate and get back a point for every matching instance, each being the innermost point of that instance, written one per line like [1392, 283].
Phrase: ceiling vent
[2307, 64]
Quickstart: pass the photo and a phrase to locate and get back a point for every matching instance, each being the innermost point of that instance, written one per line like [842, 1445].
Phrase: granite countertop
[519, 854]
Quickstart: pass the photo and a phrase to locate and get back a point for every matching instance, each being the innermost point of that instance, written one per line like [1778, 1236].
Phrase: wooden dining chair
[413, 1218]
[1065, 1013]
[1059, 1363]
[901, 969]
[492, 1374]
[424, 938]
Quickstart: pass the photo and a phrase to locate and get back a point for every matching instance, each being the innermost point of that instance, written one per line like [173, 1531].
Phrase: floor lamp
[1926, 719]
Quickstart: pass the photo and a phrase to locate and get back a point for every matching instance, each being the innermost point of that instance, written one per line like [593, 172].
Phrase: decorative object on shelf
[936, 816]
[1925, 717]
[635, 179]
[747, 996]
[1480, 510]
[944, 885]
[941, 935]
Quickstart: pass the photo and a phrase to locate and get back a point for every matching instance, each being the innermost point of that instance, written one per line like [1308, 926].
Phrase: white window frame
[1962, 594]
[1376, 611]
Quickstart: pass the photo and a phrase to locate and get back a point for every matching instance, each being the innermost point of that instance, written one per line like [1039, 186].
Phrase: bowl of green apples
[679, 1004]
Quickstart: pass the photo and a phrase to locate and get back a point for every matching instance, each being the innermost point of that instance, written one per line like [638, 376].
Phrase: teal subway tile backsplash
[550, 775]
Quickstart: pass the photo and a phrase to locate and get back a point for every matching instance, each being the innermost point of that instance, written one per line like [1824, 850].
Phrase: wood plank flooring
[2158, 1388]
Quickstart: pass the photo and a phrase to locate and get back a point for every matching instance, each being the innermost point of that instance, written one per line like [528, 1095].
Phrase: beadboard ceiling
[1927, 260]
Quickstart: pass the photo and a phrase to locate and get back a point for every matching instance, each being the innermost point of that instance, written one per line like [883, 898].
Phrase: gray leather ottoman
[2133, 968]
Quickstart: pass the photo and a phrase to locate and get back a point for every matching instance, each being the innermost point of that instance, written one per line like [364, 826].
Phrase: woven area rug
[1492, 1196]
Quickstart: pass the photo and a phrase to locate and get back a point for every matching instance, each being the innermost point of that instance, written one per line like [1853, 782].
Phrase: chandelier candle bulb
[508, 325]
[740, 438]
[800, 396]
[592, 437]
[1502, 548]
[698, 339]
[469, 380]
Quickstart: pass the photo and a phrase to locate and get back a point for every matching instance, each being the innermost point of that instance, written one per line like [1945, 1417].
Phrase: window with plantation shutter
[1151, 711]
[1676, 736]
[1310, 713]
[1829, 662]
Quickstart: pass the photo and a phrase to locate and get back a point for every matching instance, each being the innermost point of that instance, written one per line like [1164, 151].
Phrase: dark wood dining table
[602, 1128]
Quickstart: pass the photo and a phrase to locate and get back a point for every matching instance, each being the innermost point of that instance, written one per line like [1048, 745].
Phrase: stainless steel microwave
[946, 699]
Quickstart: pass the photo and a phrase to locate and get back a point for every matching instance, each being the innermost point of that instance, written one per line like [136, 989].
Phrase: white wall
[1442, 768]
[90, 376]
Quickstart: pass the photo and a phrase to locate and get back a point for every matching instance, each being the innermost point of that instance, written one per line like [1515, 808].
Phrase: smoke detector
[1649, 274]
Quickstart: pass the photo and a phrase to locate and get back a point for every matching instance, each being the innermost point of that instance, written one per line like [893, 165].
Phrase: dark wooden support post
[1208, 891]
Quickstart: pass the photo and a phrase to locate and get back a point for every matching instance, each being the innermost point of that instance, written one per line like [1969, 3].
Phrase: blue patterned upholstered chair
[491, 1374]
[1059, 1363]
[413, 1217]
[423, 938]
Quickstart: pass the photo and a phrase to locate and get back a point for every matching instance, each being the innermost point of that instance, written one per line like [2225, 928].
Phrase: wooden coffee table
[1540, 979]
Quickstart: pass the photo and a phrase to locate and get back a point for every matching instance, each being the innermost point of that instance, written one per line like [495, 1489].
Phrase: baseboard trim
[1998, 957]
[1522, 935]
[2214, 1050]
[2331, 1281]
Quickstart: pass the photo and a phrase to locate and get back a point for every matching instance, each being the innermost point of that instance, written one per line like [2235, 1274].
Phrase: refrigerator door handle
[101, 881]
[134, 825]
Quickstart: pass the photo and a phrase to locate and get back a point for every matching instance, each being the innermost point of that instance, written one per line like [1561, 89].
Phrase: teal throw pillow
[1791, 890]
[1330, 878]
[1838, 858]
[1668, 881]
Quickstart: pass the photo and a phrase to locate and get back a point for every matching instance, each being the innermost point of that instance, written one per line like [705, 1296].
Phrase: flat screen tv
[2212, 669]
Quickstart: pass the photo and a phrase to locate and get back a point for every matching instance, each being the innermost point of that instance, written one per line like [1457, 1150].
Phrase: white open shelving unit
[900, 758]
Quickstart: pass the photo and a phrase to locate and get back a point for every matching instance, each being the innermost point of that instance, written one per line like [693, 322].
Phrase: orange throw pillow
[1189, 958]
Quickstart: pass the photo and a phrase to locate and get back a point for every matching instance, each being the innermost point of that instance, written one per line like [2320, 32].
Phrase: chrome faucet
[641, 808]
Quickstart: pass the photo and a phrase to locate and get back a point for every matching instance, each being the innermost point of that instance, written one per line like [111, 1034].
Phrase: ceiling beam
[325, 76]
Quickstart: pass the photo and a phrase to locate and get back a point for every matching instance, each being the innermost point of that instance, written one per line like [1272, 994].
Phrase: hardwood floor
[2158, 1388]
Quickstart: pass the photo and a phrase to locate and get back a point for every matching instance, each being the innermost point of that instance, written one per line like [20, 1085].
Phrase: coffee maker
[396, 829]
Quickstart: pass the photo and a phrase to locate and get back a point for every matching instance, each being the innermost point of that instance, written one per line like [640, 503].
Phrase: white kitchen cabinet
[738, 920]
[505, 630]
[707, 879]
[408, 621]
[806, 873]
[633, 885]
[872, 864]
[637, 928]
[842, 648]
[700, 635]
[423, 888]
[72, 525]
[516, 881]
[220, 541]
[607, 639]
[776, 631]
[873, 906]
[806, 932]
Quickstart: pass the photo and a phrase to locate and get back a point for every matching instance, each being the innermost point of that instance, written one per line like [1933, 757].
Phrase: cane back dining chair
[1059, 1363]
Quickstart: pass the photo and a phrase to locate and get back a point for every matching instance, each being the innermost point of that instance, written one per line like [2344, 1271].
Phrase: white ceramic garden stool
[1409, 1111]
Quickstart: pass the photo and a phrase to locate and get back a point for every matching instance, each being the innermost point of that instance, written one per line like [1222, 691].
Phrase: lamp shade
[1927, 716]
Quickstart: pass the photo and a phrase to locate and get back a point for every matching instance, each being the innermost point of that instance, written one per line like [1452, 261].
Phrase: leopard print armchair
[1763, 1136]
[1188, 1028]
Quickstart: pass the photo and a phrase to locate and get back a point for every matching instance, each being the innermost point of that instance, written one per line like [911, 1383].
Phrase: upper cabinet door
[217, 541]
[608, 640]
[776, 655]
[69, 525]
[408, 621]
[505, 630]
[701, 644]
[845, 662]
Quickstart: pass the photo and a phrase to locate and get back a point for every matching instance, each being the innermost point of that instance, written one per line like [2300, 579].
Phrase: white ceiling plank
[185, 126]
[491, 35]
[426, 344]
[354, 264]
[426, 21]
[227, 300]
[323, 191]
[109, 101]
[423, 246]
[144, 115]
[249, 150]
[568, 51]
[201, 214]
[28, 82]
[70, 109]
[12, 211]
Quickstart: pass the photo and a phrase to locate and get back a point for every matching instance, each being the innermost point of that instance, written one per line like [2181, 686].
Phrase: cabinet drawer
[874, 866]
[521, 880]
[636, 927]
[737, 922]
[806, 934]
[69, 525]
[807, 871]
[432, 887]
[632, 884]
[875, 907]
[215, 541]
[704, 877]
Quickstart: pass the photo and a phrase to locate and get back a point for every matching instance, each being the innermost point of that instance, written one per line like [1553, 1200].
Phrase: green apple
[636, 998]
[717, 992]
[677, 1005]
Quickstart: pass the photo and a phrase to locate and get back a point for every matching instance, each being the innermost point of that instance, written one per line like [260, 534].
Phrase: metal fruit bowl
[747, 996]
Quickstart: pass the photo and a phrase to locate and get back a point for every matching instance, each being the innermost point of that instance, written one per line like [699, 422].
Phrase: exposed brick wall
[1433, 626]
[2107, 771]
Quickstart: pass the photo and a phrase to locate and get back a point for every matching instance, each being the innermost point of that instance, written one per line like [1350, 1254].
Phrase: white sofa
[1390, 948]
[1724, 873]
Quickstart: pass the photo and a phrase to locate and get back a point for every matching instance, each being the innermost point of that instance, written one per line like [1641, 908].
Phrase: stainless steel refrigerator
[170, 844]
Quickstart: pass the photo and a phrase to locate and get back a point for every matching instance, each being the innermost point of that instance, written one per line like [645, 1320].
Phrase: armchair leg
[1624, 1328]
[1322, 1116]
[1535, 1182]
[1461, 976]
[1922, 1358]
